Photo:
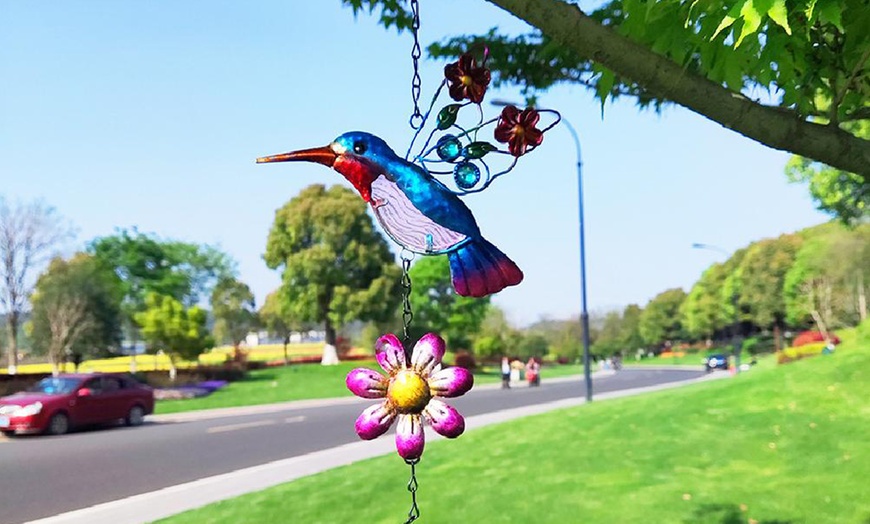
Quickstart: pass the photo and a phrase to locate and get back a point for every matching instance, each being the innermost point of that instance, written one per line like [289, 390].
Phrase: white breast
[406, 225]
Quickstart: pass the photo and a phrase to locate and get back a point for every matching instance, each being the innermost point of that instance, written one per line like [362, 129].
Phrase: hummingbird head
[357, 155]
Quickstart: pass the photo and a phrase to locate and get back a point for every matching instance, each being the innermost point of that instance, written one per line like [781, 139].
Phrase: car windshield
[55, 385]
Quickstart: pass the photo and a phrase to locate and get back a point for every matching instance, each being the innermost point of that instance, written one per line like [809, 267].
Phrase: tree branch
[568, 25]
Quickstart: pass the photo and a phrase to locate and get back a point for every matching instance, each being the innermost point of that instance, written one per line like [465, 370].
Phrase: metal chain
[407, 314]
[416, 119]
[414, 512]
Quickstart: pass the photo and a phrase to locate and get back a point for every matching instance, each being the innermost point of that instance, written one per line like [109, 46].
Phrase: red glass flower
[517, 129]
[467, 79]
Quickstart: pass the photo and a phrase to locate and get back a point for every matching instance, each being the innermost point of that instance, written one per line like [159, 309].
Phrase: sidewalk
[148, 507]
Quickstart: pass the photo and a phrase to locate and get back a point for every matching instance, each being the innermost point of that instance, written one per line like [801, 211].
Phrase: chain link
[407, 313]
[414, 512]
[416, 119]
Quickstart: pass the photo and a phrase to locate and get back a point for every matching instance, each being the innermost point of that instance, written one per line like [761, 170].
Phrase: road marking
[292, 420]
[242, 425]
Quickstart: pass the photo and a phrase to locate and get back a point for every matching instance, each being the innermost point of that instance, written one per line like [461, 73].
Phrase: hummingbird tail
[480, 269]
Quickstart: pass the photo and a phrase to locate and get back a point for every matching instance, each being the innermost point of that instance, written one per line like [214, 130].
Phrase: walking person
[505, 373]
[533, 372]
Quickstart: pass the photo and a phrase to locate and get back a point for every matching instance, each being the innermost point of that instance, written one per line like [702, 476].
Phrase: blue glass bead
[448, 148]
[466, 175]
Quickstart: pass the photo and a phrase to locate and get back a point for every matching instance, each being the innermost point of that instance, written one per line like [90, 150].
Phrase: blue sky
[150, 114]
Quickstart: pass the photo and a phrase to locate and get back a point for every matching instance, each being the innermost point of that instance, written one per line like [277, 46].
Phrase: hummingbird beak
[322, 155]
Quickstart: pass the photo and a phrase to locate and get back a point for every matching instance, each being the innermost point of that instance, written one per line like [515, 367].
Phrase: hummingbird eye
[359, 147]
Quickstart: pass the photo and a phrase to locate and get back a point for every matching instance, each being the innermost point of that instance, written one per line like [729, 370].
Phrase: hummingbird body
[417, 211]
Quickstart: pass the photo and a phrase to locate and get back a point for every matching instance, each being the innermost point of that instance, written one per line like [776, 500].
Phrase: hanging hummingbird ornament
[418, 211]
[425, 216]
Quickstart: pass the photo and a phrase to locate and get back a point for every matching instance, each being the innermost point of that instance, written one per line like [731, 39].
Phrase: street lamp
[584, 313]
[735, 337]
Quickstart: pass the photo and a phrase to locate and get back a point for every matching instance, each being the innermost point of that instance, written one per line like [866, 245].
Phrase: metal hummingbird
[416, 210]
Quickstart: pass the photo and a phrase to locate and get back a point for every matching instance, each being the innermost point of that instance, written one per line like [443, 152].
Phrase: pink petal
[444, 419]
[366, 383]
[390, 354]
[451, 382]
[409, 437]
[427, 354]
[374, 421]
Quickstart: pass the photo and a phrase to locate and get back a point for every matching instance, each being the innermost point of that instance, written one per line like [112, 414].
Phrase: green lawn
[278, 384]
[780, 444]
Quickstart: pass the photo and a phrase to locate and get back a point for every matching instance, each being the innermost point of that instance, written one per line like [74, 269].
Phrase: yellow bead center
[408, 392]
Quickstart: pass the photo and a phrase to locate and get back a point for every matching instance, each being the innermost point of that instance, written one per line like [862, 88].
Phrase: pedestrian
[505, 373]
[533, 372]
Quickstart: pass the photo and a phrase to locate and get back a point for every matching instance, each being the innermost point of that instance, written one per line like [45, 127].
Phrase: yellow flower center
[466, 80]
[519, 131]
[408, 392]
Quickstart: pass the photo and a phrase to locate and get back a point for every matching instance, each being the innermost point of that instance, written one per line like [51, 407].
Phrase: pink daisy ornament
[408, 392]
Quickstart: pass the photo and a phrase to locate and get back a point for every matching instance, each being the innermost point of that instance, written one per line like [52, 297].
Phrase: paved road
[44, 476]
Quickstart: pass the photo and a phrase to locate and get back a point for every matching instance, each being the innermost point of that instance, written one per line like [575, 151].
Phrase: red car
[56, 404]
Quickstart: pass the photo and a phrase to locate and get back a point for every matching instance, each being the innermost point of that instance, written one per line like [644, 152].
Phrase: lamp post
[584, 313]
[735, 337]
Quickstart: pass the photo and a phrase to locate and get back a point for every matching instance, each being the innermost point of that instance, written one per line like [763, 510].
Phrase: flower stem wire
[414, 512]
[407, 313]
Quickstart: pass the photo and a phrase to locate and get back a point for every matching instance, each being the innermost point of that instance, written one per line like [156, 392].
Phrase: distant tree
[609, 339]
[234, 311]
[567, 341]
[180, 332]
[700, 312]
[335, 265]
[762, 272]
[276, 318]
[147, 264]
[532, 345]
[438, 307]
[28, 235]
[727, 294]
[827, 284]
[76, 310]
[660, 320]
[630, 331]
[496, 337]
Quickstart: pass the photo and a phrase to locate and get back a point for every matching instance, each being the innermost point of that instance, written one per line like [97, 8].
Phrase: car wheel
[58, 424]
[136, 416]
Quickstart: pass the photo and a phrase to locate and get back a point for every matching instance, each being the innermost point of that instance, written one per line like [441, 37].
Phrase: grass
[278, 384]
[781, 444]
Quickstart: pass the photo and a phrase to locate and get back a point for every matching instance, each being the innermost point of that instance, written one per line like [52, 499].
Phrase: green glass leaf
[447, 116]
[477, 150]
